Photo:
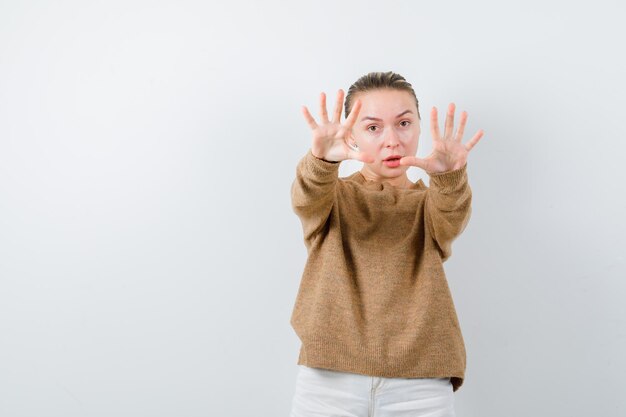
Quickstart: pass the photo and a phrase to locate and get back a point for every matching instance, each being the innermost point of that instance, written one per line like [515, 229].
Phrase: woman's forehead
[386, 103]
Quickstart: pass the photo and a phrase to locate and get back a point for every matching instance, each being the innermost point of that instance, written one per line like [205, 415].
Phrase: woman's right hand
[330, 137]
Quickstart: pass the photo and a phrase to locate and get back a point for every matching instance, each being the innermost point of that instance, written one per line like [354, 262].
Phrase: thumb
[360, 156]
[413, 161]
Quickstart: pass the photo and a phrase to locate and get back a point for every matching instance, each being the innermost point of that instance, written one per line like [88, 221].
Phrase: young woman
[379, 331]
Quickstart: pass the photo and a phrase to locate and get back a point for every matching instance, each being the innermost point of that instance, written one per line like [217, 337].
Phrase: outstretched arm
[448, 207]
[312, 192]
[449, 197]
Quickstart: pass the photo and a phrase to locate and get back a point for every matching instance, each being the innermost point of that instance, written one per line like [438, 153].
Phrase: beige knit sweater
[374, 298]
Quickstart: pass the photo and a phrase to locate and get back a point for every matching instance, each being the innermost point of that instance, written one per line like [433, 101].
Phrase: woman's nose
[391, 138]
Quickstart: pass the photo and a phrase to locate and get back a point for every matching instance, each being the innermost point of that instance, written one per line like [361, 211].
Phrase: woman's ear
[352, 142]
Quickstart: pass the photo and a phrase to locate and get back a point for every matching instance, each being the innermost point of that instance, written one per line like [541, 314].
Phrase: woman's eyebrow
[380, 120]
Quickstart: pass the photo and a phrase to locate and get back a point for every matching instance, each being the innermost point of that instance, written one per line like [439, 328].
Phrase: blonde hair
[377, 81]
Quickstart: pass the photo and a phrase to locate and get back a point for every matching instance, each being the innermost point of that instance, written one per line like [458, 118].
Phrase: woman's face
[387, 125]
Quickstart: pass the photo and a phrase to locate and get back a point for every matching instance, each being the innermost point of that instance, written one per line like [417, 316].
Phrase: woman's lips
[392, 163]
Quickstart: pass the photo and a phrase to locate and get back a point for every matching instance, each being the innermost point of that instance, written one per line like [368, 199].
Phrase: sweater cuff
[320, 167]
[449, 178]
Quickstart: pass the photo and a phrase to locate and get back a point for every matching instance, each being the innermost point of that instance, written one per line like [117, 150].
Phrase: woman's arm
[449, 198]
[448, 207]
[313, 192]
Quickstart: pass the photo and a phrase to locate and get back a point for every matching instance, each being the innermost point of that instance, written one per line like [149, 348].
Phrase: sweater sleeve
[313, 192]
[448, 207]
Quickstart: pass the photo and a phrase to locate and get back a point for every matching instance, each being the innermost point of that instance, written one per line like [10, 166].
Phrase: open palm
[448, 152]
[330, 137]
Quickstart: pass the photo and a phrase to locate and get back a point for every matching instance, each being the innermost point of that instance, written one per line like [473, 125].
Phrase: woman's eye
[405, 123]
[372, 128]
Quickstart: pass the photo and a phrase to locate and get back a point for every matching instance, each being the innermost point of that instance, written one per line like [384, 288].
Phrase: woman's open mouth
[392, 162]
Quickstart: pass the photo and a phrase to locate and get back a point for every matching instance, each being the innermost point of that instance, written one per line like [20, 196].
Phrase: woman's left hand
[448, 152]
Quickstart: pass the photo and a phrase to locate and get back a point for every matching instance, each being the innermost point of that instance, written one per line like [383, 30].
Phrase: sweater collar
[358, 177]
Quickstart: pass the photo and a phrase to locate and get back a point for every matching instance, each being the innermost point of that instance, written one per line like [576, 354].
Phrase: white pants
[327, 393]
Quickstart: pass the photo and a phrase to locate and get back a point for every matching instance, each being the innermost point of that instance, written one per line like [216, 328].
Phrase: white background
[149, 256]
